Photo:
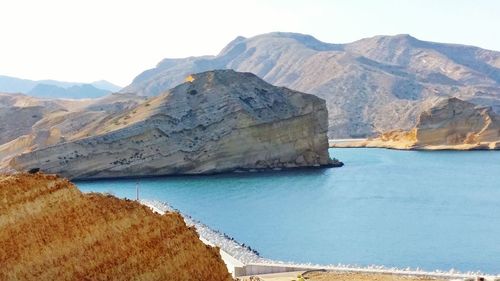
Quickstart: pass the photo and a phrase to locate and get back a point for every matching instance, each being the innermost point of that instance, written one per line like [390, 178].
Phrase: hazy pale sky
[116, 40]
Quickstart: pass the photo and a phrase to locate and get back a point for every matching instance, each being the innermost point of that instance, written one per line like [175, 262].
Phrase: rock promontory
[450, 124]
[217, 121]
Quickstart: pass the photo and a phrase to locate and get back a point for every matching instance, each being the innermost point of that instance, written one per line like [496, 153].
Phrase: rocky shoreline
[450, 124]
[374, 143]
[226, 243]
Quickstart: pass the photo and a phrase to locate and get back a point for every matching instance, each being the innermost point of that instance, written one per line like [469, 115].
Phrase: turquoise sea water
[432, 210]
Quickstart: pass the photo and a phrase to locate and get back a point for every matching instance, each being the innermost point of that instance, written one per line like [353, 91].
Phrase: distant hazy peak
[106, 85]
[77, 91]
[17, 85]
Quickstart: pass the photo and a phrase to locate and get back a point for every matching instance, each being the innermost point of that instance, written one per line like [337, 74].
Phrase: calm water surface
[432, 210]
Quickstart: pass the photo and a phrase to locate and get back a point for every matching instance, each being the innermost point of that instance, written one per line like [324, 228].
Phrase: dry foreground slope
[49, 230]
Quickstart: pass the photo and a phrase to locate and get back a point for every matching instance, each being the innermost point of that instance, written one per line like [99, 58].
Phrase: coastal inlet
[432, 210]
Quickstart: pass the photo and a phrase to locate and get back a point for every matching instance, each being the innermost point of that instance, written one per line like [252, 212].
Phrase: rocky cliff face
[217, 121]
[449, 124]
[371, 85]
[456, 122]
[49, 230]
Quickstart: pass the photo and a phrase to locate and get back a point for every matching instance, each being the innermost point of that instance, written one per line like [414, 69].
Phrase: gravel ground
[343, 276]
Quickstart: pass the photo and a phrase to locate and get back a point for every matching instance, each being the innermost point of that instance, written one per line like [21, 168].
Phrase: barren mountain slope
[18, 113]
[371, 85]
[29, 123]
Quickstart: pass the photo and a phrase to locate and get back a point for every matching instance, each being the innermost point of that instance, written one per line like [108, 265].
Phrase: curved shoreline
[237, 250]
[394, 145]
[243, 255]
[336, 164]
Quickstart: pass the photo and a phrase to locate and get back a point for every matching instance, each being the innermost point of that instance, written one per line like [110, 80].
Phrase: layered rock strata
[217, 121]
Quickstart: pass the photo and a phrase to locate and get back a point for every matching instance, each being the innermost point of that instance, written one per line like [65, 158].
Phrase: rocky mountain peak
[227, 49]
[451, 103]
[303, 40]
[400, 40]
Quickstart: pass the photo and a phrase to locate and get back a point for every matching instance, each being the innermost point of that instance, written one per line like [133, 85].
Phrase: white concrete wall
[234, 266]
[256, 269]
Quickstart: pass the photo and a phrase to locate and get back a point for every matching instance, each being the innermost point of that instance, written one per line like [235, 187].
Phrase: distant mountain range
[56, 89]
[371, 85]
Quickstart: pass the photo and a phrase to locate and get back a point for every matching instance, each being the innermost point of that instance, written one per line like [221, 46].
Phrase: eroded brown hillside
[49, 230]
